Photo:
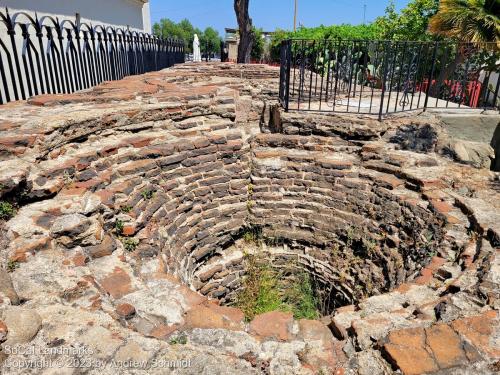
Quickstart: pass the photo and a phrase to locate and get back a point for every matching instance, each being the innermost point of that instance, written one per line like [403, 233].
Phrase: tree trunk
[246, 31]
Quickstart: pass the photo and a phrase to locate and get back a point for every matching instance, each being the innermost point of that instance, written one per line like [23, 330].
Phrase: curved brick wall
[133, 197]
[316, 196]
[189, 186]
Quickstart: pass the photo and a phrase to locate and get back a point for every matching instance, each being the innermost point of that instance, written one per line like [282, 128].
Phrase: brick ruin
[133, 200]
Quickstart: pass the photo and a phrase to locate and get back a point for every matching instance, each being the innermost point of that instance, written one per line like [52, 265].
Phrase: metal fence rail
[50, 56]
[382, 77]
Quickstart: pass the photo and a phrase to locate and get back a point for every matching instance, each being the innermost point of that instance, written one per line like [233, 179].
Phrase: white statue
[196, 49]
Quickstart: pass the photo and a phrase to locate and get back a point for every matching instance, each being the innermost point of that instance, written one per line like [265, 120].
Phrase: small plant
[178, 340]
[260, 289]
[266, 289]
[67, 178]
[428, 235]
[350, 237]
[432, 253]
[250, 189]
[252, 235]
[119, 226]
[12, 265]
[335, 251]
[370, 247]
[342, 277]
[249, 237]
[130, 244]
[300, 297]
[148, 194]
[6, 210]
[250, 204]
[369, 286]
[126, 209]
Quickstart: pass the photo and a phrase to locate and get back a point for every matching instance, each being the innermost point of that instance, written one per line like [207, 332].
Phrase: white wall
[108, 12]
[146, 18]
[113, 12]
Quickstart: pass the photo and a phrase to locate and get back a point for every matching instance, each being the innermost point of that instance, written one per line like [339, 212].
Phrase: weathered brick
[139, 166]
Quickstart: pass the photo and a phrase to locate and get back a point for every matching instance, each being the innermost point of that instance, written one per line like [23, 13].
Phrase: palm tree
[468, 21]
[476, 21]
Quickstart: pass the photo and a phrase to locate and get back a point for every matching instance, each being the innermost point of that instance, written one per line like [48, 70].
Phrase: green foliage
[300, 297]
[278, 36]
[475, 21]
[126, 209]
[250, 205]
[259, 293]
[252, 235]
[130, 244]
[411, 23]
[147, 194]
[249, 237]
[343, 31]
[210, 39]
[258, 45]
[185, 31]
[12, 265]
[119, 225]
[266, 289]
[179, 340]
[6, 210]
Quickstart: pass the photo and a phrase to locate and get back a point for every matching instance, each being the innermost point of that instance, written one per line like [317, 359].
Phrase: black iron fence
[48, 56]
[382, 77]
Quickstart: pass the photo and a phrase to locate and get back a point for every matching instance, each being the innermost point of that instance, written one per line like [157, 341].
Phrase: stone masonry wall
[132, 200]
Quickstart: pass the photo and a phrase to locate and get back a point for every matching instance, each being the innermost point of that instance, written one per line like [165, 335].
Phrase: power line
[295, 17]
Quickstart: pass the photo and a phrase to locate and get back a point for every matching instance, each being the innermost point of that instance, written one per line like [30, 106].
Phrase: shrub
[6, 210]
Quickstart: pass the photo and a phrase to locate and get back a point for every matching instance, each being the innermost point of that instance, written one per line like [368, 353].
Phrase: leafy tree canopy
[185, 31]
[210, 39]
[343, 31]
[411, 23]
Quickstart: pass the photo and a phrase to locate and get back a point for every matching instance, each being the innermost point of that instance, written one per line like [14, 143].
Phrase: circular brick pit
[132, 192]
[355, 231]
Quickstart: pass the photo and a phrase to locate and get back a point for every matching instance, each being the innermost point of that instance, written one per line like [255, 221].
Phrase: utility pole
[295, 17]
[364, 13]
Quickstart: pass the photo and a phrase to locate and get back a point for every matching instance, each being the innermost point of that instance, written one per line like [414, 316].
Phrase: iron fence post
[495, 95]
[384, 74]
[288, 67]
[429, 84]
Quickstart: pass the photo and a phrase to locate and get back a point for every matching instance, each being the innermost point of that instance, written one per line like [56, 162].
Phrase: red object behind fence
[473, 90]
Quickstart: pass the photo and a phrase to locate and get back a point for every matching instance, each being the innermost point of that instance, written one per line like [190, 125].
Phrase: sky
[270, 14]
